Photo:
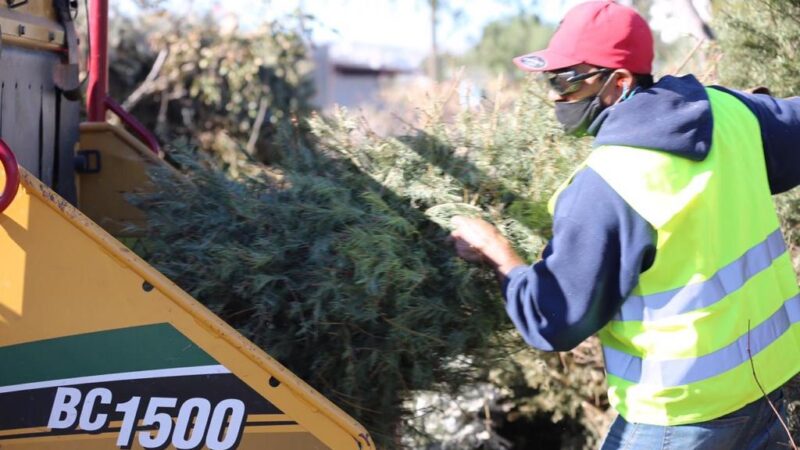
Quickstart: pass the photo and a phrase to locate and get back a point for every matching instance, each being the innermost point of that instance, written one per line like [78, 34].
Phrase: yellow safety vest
[679, 351]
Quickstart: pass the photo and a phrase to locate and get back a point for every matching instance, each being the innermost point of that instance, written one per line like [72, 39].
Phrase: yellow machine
[98, 350]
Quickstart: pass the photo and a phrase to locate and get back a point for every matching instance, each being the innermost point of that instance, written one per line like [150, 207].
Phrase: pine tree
[336, 260]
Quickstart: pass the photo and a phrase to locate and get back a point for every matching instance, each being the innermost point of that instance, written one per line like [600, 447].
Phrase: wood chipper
[98, 350]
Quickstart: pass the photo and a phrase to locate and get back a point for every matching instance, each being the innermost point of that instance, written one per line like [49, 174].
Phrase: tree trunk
[434, 71]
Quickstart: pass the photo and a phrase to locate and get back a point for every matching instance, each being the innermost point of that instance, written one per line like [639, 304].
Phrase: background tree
[226, 90]
[505, 38]
[434, 69]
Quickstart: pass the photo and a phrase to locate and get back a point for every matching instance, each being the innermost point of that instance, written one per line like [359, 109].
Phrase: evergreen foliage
[760, 43]
[336, 261]
[506, 38]
[334, 258]
[226, 90]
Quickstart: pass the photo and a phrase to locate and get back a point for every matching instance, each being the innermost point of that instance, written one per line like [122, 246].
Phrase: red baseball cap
[601, 33]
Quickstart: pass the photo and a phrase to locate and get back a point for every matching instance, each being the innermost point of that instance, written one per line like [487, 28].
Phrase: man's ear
[623, 78]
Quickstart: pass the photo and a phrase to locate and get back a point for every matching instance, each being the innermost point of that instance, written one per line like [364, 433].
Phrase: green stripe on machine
[147, 347]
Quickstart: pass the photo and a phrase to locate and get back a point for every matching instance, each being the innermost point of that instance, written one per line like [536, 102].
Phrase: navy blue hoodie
[600, 244]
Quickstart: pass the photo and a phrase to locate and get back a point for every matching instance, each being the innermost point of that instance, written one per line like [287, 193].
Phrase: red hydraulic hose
[97, 89]
[12, 175]
[97, 99]
[136, 126]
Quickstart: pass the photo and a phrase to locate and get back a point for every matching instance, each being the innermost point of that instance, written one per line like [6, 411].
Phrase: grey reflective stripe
[704, 294]
[678, 372]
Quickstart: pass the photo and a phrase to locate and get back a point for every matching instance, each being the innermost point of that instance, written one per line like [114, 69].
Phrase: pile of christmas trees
[334, 258]
[336, 261]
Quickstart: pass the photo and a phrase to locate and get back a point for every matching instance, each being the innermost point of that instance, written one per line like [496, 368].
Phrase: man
[665, 242]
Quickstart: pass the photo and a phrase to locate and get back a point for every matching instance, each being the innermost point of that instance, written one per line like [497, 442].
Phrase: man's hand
[477, 240]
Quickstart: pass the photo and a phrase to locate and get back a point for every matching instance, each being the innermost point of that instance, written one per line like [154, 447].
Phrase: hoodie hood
[674, 116]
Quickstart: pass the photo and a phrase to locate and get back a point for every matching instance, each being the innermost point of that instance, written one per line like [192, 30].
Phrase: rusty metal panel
[23, 73]
[68, 122]
[29, 108]
[19, 132]
[39, 125]
[47, 119]
[9, 118]
[27, 103]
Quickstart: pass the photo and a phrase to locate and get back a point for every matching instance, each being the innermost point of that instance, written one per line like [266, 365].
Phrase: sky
[401, 24]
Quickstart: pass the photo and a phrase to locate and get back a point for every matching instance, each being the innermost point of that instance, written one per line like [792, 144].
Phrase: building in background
[353, 75]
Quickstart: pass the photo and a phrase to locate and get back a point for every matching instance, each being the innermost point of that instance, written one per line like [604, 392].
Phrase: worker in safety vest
[665, 241]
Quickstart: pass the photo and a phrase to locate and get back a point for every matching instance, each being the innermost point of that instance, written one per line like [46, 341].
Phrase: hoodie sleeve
[780, 134]
[599, 247]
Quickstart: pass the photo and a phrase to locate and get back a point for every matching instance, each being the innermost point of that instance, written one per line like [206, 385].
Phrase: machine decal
[98, 347]
[179, 396]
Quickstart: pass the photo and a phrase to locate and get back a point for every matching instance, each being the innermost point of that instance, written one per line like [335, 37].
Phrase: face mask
[576, 117]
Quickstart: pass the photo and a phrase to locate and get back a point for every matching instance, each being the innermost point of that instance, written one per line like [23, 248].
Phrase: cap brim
[544, 61]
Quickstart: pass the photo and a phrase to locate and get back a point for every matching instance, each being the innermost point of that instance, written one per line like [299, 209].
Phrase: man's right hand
[477, 240]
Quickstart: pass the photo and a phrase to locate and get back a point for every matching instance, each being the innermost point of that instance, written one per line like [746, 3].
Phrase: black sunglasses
[568, 81]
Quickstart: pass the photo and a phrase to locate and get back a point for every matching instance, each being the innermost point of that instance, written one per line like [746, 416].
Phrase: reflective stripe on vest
[676, 372]
[700, 295]
[720, 298]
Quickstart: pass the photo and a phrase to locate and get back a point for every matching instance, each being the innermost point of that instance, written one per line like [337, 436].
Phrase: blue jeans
[754, 427]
